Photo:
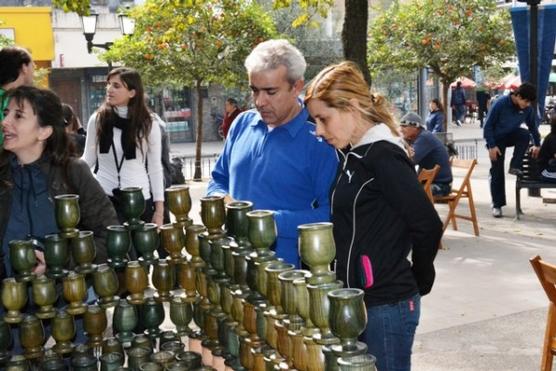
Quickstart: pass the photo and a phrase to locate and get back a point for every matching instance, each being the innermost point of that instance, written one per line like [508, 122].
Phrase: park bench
[530, 179]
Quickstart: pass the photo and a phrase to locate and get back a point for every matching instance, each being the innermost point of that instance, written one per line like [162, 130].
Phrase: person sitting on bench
[547, 154]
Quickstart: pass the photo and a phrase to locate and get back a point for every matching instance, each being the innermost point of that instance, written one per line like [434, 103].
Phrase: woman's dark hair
[11, 60]
[232, 101]
[138, 113]
[438, 104]
[70, 119]
[48, 108]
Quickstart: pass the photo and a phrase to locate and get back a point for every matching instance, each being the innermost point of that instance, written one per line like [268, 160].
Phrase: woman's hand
[158, 216]
[40, 268]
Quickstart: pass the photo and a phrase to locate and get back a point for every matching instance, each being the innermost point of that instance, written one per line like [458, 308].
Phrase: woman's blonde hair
[337, 84]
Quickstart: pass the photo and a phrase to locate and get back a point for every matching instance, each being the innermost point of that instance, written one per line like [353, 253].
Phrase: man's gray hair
[271, 54]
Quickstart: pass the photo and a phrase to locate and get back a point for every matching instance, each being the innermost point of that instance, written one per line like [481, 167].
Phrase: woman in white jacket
[124, 144]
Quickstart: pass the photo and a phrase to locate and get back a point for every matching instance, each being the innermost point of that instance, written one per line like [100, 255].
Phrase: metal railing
[468, 149]
[207, 164]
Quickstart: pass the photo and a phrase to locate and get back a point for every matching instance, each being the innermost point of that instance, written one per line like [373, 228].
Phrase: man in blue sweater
[503, 128]
[272, 156]
[427, 151]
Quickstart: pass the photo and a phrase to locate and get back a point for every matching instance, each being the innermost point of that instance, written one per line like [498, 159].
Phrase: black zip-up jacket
[380, 210]
[96, 209]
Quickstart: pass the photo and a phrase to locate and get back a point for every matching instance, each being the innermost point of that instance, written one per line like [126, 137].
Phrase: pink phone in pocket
[365, 272]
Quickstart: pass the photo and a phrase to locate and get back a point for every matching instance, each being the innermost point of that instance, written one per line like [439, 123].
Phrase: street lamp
[533, 72]
[89, 27]
[127, 24]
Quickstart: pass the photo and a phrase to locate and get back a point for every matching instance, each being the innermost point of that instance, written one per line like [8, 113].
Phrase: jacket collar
[377, 133]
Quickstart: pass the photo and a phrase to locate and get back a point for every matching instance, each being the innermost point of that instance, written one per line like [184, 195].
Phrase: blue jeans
[441, 189]
[520, 140]
[390, 332]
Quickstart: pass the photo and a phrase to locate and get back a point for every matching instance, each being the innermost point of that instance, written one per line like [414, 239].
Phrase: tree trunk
[445, 103]
[354, 34]
[198, 176]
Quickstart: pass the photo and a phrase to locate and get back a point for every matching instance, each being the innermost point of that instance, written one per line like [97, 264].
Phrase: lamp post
[89, 27]
[533, 69]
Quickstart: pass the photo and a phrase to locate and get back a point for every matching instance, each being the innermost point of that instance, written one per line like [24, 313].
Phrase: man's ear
[298, 86]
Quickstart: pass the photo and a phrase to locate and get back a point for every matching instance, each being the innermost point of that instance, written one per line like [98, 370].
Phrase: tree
[354, 34]
[4, 41]
[354, 31]
[192, 43]
[448, 36]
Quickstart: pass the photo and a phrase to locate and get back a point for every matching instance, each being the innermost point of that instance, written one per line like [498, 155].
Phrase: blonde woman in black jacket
[379, 210]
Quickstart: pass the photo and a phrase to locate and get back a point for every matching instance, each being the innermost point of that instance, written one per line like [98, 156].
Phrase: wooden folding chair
[456, 195]
[426, 177]
[547, 276]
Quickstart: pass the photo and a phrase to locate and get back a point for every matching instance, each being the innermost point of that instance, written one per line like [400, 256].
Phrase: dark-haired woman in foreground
[37, 164]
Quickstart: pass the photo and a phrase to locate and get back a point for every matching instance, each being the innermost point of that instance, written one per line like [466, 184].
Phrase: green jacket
[97, 212]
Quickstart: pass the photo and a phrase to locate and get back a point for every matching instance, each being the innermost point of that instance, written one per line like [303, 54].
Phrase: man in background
[231, 111]
[502, 129]
[427, 151]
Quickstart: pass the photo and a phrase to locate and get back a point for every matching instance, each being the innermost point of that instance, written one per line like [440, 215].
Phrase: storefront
[31, 28]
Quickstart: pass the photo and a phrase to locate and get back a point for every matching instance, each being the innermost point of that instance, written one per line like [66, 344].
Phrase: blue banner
[546, 39]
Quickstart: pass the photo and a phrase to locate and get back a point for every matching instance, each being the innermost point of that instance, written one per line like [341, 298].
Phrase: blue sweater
[505, 117]
[435, 122]
[288, 170]
[32, 209]
[430, 151]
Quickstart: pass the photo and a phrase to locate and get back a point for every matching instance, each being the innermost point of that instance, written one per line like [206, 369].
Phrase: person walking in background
[503, 129]
[125, 142]
[483, 100]
[16, 69]
[272, 156]
[427, 151]
[458, 103]
[435, 120]
[74, 129]
[231, 111]
[379, 209]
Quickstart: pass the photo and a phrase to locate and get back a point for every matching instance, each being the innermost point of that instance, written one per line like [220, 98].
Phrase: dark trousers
[518, 139]
[460, 113]
[482, 112]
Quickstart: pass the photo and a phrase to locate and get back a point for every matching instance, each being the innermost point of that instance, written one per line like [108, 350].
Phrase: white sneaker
[497, 212]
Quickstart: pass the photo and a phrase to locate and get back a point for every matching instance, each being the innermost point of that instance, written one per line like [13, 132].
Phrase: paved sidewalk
[487, 310]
